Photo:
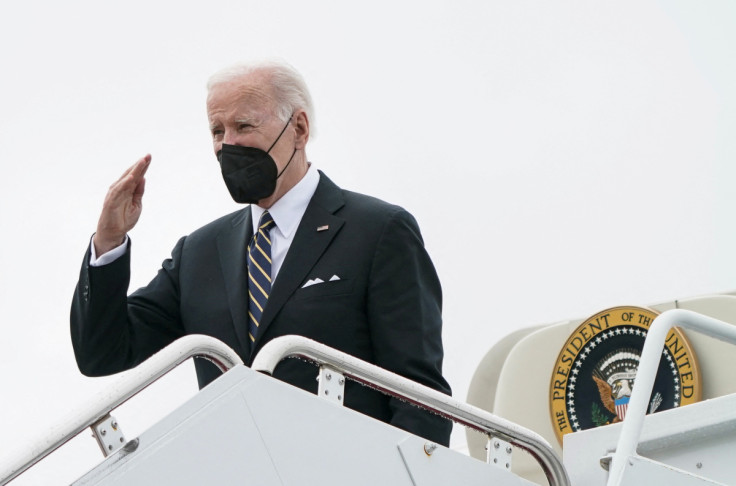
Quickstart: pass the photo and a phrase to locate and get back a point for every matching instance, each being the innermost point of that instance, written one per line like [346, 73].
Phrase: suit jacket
[385, 308]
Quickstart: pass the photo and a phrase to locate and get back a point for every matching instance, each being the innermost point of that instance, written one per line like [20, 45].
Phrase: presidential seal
[596, 370]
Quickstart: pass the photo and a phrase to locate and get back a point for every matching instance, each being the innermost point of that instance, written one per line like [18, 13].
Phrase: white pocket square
[313, 281]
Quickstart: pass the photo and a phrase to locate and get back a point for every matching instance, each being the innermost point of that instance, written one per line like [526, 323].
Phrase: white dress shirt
[287, 213]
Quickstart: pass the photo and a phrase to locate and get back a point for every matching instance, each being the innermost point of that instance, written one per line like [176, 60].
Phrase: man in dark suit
[346, 270]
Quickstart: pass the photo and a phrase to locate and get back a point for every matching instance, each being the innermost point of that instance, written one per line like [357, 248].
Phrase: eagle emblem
[614, 376]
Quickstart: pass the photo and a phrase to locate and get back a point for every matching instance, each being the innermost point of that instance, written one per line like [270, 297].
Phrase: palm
[122, 207]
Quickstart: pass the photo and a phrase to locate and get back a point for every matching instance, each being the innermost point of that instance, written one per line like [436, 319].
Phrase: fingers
[136, 179]
[131, 179]
[129, 188]
[138, 169]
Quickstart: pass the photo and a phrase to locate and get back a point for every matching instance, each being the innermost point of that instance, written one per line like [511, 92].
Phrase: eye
[216, 132]
[244, 126]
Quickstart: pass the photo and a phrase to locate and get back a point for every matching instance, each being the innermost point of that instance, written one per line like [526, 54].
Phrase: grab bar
[647, 372]
[132, 383]
[397, 386]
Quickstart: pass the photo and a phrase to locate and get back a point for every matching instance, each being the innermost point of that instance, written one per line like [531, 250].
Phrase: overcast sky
[582, 152]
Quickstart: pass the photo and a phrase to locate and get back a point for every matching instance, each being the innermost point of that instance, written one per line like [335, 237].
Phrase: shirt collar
[287, 212]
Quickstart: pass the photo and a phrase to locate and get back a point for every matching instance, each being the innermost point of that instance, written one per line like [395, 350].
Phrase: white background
[560, 157]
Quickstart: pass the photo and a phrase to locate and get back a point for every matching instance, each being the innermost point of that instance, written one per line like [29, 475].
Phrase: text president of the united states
[305, 257]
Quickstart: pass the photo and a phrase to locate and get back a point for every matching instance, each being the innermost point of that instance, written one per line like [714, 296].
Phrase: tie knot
[266, 222]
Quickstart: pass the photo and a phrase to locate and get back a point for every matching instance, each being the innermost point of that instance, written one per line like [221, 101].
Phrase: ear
[301, 125]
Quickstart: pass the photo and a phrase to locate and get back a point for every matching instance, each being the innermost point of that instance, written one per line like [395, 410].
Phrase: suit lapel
[231, 245]
[306, 249]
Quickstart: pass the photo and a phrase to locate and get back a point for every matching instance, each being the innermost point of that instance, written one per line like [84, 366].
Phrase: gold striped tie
[259, 273]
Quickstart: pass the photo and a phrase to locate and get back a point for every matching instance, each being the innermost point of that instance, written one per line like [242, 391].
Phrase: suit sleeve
[405, 315]
[111, 331]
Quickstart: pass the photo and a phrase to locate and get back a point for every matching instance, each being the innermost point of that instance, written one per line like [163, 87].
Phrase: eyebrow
[249, 120]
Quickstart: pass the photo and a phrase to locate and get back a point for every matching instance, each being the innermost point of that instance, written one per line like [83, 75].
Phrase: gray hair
[288, 86]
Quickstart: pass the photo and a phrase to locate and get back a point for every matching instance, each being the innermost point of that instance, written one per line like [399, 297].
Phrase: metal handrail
[132, 383]
[647, 372]
[398, 386]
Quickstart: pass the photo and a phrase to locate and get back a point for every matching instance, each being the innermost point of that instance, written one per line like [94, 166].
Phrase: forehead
[249, 95]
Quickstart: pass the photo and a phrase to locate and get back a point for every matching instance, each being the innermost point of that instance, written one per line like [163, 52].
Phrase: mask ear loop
[279, 137]
[287, 164]
[276, 141]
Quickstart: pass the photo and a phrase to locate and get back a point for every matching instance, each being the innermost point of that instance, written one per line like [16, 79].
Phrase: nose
[230, 137]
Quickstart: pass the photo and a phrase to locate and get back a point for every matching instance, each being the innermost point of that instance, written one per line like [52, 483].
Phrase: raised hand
[122, 207]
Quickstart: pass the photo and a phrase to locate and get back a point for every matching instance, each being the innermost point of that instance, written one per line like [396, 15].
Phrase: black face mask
[250, 173]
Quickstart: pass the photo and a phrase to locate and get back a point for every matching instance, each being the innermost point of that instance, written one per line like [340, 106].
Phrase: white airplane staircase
[248, 428]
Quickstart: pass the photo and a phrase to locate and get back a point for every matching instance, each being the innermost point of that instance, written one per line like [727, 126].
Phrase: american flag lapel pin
[323, 227]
